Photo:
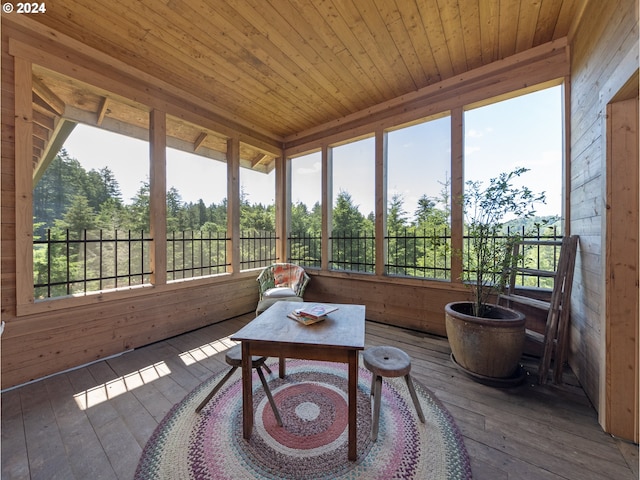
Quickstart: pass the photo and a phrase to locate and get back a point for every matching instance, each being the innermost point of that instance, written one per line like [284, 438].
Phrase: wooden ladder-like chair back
[555, 339]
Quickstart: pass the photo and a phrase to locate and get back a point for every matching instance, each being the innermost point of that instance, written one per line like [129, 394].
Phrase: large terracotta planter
[486, 347]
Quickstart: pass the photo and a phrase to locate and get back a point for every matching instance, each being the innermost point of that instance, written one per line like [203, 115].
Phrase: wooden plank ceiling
[285, 66]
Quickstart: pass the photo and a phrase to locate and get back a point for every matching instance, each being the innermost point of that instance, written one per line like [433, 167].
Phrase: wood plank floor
[92, 423]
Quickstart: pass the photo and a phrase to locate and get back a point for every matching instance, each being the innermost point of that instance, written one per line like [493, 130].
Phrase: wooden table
[338, 338]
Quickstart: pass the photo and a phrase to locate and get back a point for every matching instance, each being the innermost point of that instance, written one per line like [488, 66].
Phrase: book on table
[312, 313]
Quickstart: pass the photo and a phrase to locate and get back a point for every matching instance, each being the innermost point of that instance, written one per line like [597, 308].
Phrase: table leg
[247, 392]
[353, 404]
[282, 367]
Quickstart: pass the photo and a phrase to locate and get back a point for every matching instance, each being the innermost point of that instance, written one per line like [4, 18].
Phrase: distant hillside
[545, 223]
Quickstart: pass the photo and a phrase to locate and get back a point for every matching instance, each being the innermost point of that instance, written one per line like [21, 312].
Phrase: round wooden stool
[391, 362]
[234, 358]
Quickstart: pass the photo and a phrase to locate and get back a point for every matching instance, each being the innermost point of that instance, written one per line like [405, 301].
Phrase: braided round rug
[312, 444]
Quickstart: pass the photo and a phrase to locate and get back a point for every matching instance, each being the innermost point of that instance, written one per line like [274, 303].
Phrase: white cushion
[279, 292]
[267, 302]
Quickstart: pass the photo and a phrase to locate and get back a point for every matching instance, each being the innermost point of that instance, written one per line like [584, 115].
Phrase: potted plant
[486, 339]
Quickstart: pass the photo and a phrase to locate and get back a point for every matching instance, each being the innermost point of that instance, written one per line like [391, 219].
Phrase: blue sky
[524, 131]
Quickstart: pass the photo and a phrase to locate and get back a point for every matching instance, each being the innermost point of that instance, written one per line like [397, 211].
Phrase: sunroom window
[353, 214]
[524, 131]
[418, 200]
[305, 222]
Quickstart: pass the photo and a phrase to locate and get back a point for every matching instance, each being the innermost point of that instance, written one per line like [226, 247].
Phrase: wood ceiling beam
[41, 132]
[199, 141]
[258, 159]
[43, 119]
[54, 102]
[102, 111]
[59, 135]
[99, 69]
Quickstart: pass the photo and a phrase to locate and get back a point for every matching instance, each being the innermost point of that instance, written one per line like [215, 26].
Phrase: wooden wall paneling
[602, 45]
[414, 304]
[604, 68]
[158, 195]
[23, 185]
[7, 183]
[64, 341]
[622, 264]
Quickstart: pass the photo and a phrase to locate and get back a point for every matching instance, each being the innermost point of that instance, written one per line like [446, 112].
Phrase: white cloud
[472, 133]
[315, 168]
[468, 150]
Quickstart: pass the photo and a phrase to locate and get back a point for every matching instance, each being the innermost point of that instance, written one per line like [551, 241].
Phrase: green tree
[396, 215]
[346, 216]
[80, 216]
[300, 218]
[52, 196]
[137, 214]
[353, 244]
[401, 254]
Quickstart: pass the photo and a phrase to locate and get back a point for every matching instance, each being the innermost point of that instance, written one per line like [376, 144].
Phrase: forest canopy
[70, 203]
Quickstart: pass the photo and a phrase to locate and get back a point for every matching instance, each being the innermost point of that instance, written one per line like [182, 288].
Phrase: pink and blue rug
[312, 444]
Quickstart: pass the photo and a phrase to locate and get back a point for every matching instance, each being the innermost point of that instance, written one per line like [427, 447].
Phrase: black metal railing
[419, 253]
[353, 251]
[305, 249]
[257, 249]
[535, 257]
[79, 262]
[71, 264]
[196, 254]
[87, 261]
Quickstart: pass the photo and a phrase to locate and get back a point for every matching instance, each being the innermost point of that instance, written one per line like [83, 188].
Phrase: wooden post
[158, 195]
[457, 190]
[381, 200]
[621, 267]
[233, 203]
[283, 214]
[327, 194]
[566, 150]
